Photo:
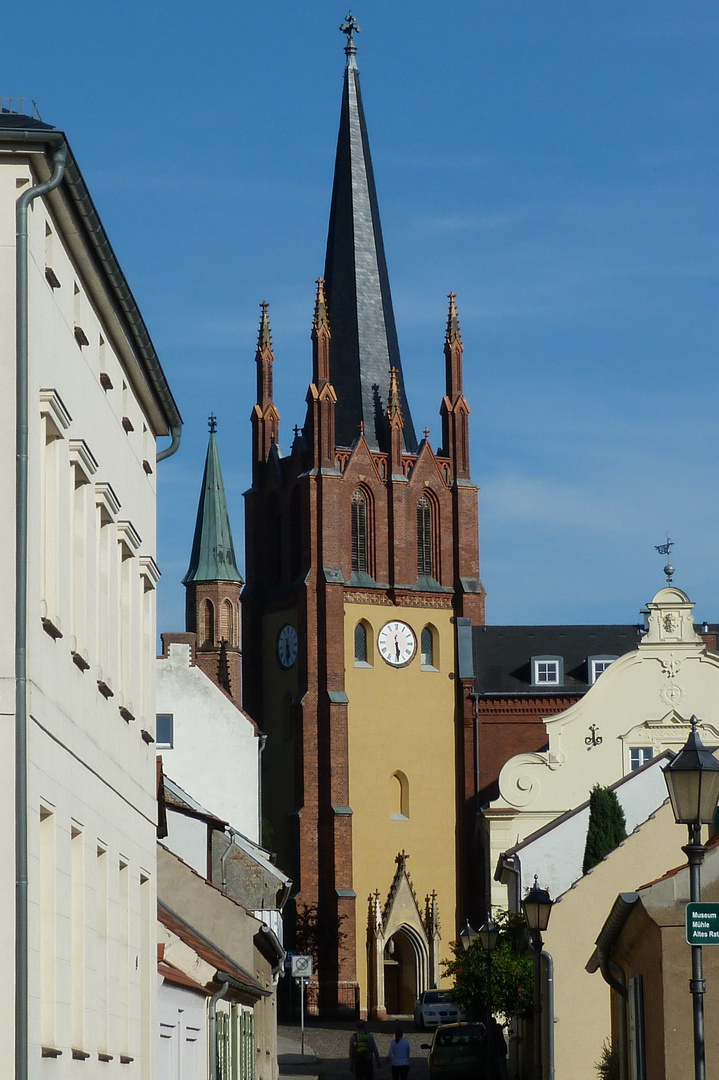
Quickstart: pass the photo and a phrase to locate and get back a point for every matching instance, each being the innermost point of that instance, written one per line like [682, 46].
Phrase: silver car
[434, 1008]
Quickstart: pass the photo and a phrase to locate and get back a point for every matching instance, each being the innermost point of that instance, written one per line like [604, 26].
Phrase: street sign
[301, 967]
[703, 924]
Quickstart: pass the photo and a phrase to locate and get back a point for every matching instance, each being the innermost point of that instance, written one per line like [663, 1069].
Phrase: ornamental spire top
[321, 318]
[350, 27]
[453, 331]
[265, 336]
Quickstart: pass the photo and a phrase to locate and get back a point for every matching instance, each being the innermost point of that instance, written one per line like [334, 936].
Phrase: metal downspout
[225, 980]
[21, 551]
[175, 432]
[260, 752]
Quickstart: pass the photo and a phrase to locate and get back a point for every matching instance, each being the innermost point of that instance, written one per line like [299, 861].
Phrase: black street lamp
[488, 935]
[467, 934]
[693, 782]
[537, 906]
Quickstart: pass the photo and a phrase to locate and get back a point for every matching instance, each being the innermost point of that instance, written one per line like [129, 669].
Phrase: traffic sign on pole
[301, 967]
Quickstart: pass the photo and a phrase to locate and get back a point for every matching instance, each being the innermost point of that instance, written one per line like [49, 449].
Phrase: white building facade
[208, 744]
[639, 707]
[97, 402]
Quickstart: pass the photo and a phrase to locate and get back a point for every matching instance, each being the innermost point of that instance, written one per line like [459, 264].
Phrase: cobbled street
[329, 1043]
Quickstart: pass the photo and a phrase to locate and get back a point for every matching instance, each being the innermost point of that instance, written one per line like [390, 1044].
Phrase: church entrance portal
[401, 983]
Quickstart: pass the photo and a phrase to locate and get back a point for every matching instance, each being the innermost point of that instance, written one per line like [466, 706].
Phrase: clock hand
[396, 646]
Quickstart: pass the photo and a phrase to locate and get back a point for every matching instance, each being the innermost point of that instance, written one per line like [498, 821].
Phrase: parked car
[458, 1052]
[435, 1007]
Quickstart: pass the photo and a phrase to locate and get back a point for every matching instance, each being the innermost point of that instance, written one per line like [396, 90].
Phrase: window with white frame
[640, 755]
[547, 670]
[597, 665]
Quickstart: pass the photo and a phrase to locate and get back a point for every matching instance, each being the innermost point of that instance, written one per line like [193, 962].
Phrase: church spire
[364, 336]
[213, 553]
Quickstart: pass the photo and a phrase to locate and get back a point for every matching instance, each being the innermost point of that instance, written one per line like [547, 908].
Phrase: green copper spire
[213, 553]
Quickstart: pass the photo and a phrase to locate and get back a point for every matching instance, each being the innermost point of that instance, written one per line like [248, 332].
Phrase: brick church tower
[362, 584]
[213, 583]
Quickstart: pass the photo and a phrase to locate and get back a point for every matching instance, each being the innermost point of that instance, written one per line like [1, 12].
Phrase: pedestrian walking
[398, 1055]
[363, 1053]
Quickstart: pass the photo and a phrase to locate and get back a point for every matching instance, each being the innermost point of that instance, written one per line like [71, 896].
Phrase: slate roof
[213, 553]
[364, 337]
[502, 655]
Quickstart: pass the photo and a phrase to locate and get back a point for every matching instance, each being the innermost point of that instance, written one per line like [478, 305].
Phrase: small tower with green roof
[214, 583]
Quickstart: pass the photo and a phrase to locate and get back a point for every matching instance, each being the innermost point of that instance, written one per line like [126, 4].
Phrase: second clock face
[287, 646]
[396, 643]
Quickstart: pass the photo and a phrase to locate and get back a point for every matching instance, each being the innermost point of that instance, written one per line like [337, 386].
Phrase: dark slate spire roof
[213, 553]
[364, 336]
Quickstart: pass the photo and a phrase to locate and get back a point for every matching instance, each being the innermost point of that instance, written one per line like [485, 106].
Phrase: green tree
[607, 826]
[512, 970]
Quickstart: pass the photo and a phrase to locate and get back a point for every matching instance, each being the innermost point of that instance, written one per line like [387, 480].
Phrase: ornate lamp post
[488, 935]
[693, 782]
[537, 906]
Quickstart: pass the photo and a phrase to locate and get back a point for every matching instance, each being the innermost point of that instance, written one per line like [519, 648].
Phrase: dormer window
[596, 665]
[547, 671]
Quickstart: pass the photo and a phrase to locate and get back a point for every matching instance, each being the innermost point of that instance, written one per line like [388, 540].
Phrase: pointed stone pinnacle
[453, 331]
[321, 316]
[394, 404]
[265, 337]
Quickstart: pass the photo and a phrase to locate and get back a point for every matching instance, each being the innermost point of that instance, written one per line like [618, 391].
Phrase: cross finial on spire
[426, 433]
[212, 423]
[350, 27]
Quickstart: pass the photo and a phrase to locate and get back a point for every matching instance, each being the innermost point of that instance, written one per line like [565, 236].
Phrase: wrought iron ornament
[593, 739]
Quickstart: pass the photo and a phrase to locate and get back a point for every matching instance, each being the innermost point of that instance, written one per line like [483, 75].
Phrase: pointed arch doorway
[404, 959]
[403, 946]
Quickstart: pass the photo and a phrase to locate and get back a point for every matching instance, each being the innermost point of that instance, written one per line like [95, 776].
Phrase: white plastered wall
[92, 806]
[214, 755]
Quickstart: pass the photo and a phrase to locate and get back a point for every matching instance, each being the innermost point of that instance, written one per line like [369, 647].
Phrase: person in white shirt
[398, 1056]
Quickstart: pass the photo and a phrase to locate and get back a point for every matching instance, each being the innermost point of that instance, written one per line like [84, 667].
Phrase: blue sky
[555, 164]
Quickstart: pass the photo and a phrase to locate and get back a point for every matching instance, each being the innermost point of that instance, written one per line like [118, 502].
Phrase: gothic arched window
[227, 622]
[425, 564]
[208, 623]
[360, 539]
[360, 644]
[427, 647]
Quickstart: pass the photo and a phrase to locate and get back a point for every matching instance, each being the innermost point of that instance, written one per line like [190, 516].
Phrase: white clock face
[396, 643]
[287, 646]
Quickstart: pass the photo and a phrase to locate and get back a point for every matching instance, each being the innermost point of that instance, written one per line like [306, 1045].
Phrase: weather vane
[665, 549]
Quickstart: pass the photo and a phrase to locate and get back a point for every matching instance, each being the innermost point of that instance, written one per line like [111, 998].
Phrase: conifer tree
[607, 826]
